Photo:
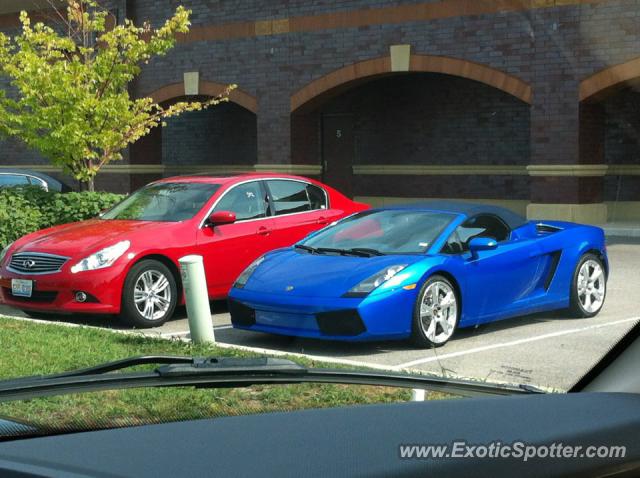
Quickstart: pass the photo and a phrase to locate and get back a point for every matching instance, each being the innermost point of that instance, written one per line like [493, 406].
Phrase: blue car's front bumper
[375, 317]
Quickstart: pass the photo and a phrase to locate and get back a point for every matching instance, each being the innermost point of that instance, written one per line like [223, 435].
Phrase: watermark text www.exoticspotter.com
[517, 450]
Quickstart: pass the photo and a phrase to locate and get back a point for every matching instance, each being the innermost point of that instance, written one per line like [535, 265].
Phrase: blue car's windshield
[168, 202]
[395, 231]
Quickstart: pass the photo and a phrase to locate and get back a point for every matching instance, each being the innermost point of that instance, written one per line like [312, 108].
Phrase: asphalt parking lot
[548, 350]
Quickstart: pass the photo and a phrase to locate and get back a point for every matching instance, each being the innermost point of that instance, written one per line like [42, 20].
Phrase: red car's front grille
[36, 263]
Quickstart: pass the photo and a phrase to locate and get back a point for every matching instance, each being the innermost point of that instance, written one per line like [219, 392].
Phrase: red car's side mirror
[220, 218]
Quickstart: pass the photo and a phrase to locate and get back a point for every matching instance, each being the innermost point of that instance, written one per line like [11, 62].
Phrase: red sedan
[126, 261]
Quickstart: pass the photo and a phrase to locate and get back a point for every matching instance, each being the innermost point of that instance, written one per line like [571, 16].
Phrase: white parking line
[434, 357]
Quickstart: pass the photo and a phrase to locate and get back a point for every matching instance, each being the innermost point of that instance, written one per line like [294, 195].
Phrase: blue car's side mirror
[478, 244]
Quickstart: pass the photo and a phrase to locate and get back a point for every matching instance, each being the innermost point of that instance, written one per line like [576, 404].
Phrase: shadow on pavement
[105, 321]
[347, 349]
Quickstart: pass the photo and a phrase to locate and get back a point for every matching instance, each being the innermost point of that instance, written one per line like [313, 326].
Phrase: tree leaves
[72, 101]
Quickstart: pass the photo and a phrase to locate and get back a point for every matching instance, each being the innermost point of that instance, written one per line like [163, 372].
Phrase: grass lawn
[29, 348]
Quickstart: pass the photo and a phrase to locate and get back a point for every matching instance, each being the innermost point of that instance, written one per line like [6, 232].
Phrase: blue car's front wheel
[436, 313]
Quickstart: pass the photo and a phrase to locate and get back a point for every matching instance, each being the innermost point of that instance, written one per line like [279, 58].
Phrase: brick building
[527, 103]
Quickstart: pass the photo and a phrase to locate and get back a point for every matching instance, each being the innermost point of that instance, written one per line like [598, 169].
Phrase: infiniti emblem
[29, 264]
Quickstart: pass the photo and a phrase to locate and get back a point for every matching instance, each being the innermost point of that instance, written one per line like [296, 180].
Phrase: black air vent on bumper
[36, 296]
[241, 314]
[340, 322]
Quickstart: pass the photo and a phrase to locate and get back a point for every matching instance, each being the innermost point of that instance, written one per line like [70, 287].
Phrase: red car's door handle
[264, 231]
[322, 220]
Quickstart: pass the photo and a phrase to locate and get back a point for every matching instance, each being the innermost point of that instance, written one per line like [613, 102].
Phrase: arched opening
[600, 84]
[221, 138]
[610, 136]
[418, 134]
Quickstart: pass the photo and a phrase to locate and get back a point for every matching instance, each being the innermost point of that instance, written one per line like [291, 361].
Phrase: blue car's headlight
[376, 280]
[244, 277]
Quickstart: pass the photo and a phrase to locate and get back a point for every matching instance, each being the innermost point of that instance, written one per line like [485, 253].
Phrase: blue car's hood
[318, 275]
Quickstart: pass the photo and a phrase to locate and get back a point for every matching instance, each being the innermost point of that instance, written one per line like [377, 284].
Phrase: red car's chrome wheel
[150, 294]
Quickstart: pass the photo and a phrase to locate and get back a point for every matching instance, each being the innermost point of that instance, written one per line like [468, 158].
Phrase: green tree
[71, 80]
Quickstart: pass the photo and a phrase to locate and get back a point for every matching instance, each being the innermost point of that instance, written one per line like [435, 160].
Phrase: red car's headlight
[103, 258]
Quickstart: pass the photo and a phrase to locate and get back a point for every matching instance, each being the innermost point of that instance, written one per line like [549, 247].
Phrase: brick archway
[206, 88]
[147, 155]
[609, 78]
[418, 63]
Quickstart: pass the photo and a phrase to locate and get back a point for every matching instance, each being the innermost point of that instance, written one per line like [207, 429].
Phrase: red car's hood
[84, 237]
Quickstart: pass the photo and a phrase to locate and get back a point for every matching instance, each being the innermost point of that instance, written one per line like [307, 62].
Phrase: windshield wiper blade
[305, 248]
[228, 372]
[356, 251]
[324, 250]
[366, 251]
[122, 364]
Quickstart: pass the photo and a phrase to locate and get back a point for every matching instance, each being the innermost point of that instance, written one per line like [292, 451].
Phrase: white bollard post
[196, 296]
[417, 395]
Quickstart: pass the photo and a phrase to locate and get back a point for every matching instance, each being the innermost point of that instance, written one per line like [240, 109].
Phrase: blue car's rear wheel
[589, 286]
[436, 313]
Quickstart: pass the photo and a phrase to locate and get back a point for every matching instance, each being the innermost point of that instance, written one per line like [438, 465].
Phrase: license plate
[21, 287]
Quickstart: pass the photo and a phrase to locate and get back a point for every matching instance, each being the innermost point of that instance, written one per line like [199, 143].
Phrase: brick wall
[435, 119]
[552, 49]
[622, 127]
[463, 187]
[622, 142]
[222, 134]
[223, 11]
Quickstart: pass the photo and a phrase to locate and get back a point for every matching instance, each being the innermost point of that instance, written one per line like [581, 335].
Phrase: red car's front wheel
[149, 295]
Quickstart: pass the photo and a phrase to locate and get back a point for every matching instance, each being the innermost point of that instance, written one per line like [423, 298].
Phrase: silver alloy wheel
[591, 286]
[152, 295]
[438, 312]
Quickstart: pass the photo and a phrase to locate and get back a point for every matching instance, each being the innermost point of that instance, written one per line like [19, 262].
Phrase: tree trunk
[88, 185]
[91, 181]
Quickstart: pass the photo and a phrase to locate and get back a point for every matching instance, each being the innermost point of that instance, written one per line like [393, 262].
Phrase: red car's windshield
[167, 202]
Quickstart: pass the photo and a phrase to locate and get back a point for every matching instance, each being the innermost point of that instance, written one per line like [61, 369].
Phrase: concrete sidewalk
[622, 229]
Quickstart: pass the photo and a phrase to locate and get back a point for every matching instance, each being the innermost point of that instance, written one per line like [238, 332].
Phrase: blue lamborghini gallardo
[421, 271]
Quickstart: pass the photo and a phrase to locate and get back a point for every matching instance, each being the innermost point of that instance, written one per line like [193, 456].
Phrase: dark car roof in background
[512, 219]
